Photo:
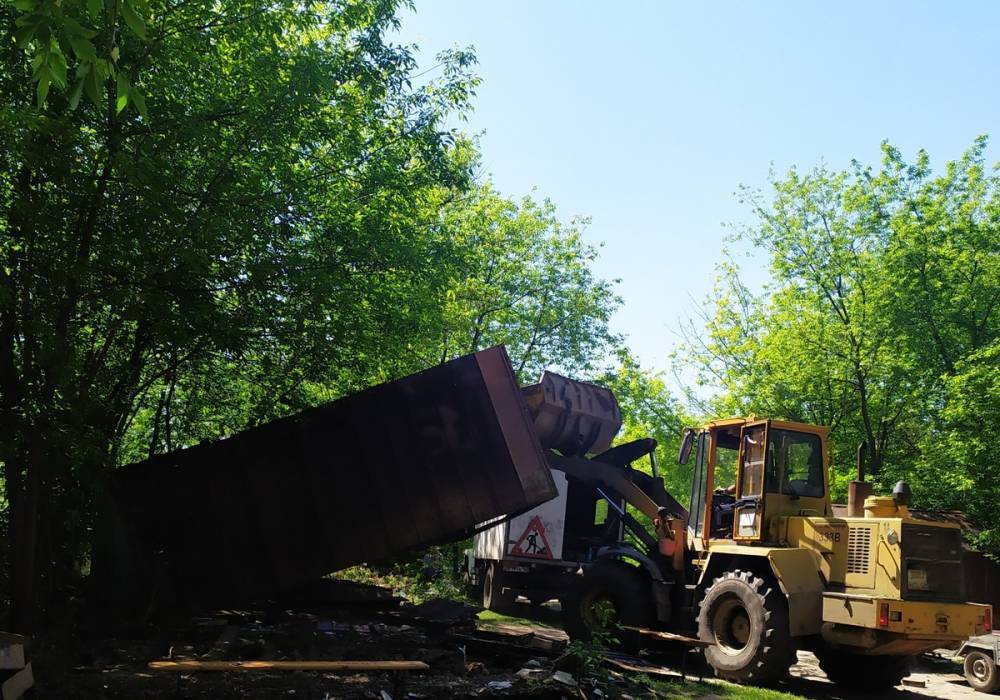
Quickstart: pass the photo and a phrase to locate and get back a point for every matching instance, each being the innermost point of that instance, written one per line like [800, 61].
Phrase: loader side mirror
[687, 442]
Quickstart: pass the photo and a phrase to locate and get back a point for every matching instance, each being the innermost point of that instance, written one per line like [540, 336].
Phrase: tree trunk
[23, 535]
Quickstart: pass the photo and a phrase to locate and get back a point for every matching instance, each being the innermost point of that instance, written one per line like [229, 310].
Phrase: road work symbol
[532, 542]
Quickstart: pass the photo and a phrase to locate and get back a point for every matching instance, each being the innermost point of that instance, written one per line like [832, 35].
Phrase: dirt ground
[936, 676]
[464, 659]
[467, 658]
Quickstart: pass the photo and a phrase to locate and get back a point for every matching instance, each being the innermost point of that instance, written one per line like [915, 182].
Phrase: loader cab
[748, 472]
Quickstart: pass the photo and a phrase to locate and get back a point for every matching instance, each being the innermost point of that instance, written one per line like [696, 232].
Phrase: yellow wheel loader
[773, 569]
[757, 565]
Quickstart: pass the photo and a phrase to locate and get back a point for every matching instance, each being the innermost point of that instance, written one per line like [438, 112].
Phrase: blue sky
[647, 116]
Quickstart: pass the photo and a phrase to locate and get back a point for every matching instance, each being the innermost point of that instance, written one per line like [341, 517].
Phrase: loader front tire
[859, 672]
[608, 596]
[744, 618]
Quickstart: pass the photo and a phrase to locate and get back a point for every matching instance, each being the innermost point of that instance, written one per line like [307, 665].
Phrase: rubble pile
[464, 657]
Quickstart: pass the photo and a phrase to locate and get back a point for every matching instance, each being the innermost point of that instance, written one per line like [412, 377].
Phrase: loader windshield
[795, 464]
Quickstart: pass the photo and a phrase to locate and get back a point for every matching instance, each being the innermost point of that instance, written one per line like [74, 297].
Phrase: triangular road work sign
[532, 542]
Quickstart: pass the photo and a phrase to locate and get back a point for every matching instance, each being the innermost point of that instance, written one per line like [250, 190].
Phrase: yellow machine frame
[806, 548]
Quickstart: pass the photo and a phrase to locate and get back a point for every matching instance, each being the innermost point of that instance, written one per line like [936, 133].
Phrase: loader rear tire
[609, 595]
[859, 672]
[744, 617]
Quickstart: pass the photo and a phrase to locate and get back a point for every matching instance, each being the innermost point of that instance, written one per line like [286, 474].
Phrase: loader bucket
[573, 417]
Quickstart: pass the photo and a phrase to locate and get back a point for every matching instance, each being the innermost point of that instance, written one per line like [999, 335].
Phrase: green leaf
[138, 100]
[57, 67]
[37, 63]
[134, 21]
[94, 7]
[92, 84]
[74, 95]
[73, 27]
[29, 20]
[123, 88]
[43, 86]
[25, 34]
[83, 48]
[24, 5]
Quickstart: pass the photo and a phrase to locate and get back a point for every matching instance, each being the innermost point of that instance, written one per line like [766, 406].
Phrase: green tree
[958, 468]
[882, 283]
[251, 231]
[522, 278]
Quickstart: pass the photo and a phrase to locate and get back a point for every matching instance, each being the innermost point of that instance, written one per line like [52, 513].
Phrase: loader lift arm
[633, 485]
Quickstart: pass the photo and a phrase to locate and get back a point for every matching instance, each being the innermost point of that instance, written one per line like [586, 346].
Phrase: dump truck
[756, 566]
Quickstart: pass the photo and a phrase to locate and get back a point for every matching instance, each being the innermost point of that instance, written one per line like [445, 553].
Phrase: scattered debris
[475, 668]
[532, 674]
[564, 678]
[439, 612]
[290, 649]
[16, 674]
[499, 685]
[18, 684]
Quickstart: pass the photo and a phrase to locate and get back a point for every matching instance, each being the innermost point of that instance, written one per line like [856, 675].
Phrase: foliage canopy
[880, 320]
[256, 208]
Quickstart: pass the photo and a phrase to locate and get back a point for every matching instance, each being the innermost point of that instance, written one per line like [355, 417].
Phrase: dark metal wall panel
[410, 463]
[982, 582]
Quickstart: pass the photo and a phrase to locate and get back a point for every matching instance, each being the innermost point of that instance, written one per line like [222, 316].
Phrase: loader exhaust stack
[858, 490]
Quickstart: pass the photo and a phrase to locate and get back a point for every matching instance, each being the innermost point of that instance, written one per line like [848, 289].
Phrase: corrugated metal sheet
[410, 463]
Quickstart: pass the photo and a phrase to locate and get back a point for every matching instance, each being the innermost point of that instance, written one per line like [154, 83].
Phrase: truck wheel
[610, 594]
[493, 596]
[745, 619]
[981, 672]
[859, 672]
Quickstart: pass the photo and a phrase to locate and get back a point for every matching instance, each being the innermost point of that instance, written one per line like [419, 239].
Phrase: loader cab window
[795, 464]
[727, 448]
[696, 508]
[726, 457]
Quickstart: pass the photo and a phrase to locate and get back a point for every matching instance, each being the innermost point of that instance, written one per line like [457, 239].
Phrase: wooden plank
[635, 665]
[498, 646]
[328, 666]
[669, 636]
